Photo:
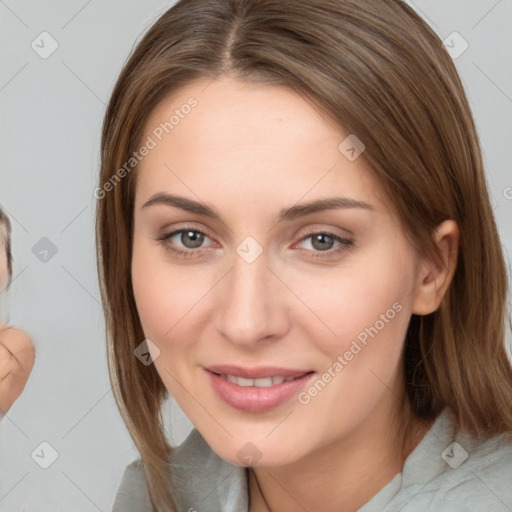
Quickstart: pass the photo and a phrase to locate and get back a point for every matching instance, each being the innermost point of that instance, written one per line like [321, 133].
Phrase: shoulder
[451, 471]
[456, 472]
[133, 495]
[482, 481]
[198, 474]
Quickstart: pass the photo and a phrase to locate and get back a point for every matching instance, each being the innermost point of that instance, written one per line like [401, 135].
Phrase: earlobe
[435, 278]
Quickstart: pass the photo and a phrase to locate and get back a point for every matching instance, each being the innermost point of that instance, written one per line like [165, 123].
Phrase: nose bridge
[249, 309]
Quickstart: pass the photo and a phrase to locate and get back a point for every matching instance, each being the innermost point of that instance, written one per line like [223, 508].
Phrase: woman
[16, 349]
[295, 241]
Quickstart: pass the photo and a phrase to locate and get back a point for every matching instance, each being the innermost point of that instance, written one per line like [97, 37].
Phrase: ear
[435, 279]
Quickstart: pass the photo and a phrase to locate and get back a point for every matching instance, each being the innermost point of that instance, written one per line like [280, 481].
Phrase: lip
[260, 372]
[254, 399]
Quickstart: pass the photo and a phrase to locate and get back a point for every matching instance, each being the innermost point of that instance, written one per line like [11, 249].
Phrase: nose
[252, 304]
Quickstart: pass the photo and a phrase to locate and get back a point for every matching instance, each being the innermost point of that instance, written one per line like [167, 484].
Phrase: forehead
[260, 140]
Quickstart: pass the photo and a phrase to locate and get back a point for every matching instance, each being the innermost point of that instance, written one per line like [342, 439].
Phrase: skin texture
[16, 353]
[249, 151]
[16, 362]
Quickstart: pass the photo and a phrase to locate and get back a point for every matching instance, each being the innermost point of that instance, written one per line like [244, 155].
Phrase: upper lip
[260, 372]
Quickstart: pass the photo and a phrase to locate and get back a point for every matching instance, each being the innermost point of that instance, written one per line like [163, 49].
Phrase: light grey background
[51, 118]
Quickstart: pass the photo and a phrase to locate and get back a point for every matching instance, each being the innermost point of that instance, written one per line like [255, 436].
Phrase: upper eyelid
[176, 231]
[331, 230]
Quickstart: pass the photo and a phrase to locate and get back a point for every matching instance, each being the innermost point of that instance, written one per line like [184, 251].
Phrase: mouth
[271, 388]
[265, 382]
[260, 372]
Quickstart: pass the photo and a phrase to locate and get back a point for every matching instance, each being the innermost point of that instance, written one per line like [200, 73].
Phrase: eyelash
[345, 243]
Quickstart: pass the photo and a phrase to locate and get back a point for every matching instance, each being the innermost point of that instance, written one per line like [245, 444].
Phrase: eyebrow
[294, 212]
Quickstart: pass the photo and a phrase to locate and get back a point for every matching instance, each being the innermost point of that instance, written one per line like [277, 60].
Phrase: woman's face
[273, 284]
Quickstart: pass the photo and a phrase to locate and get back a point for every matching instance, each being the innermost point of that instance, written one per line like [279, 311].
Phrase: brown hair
[5, 241]
[377, 69]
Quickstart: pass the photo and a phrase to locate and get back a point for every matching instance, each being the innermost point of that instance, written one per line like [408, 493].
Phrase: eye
[184, 242]
[188, 241]
[323, 242]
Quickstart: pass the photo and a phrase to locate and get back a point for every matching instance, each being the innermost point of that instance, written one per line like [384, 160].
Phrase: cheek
[362, 301]
[367, 309]
[166, 295]
[151, 285]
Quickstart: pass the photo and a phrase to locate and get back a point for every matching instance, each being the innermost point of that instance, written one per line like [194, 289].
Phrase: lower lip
[254, 399]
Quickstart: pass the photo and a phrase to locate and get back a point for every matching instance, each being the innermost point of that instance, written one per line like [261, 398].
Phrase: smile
[258, 394]
[259, 383]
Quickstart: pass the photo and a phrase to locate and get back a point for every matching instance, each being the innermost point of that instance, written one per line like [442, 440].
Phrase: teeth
[259, 383]
[230, 378]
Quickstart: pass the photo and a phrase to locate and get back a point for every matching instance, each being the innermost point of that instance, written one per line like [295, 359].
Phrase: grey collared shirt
[444, 473]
